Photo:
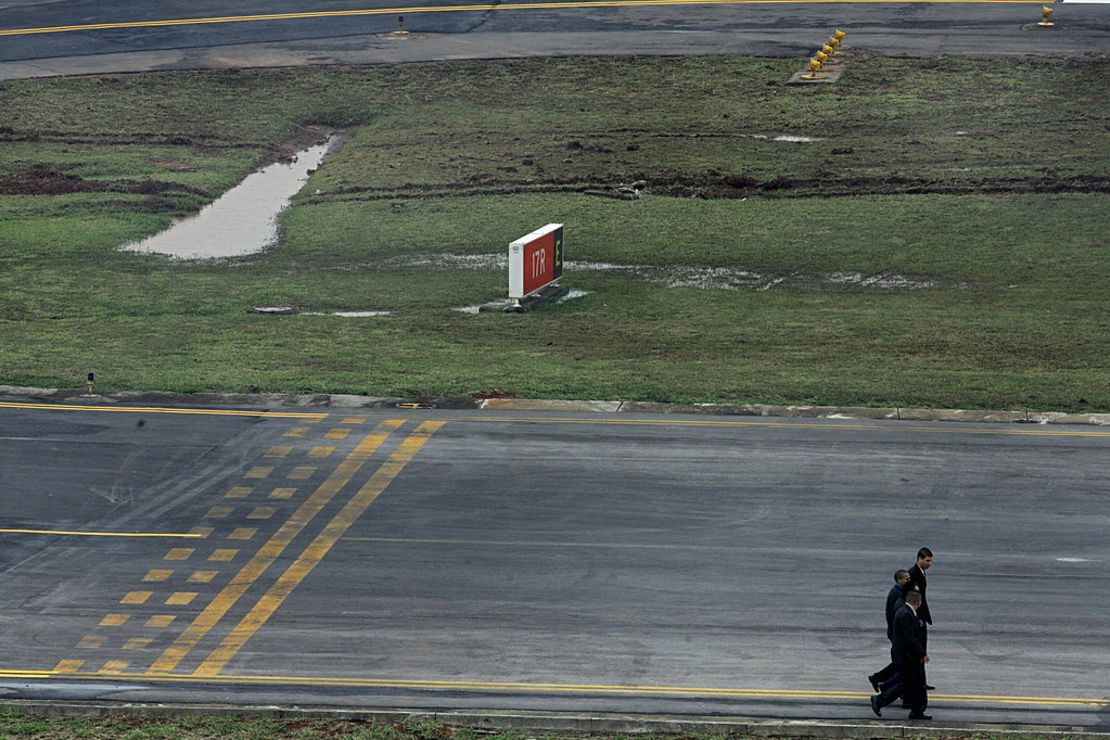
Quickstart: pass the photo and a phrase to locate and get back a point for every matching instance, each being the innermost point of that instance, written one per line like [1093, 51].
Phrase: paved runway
[428, 558]
[41, 38]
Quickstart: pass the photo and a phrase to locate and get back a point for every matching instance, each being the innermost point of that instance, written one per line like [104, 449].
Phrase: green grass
[996, 200]
[17, 725]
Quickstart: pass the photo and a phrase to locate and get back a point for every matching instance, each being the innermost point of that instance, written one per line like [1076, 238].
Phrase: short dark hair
[924, 553]
[901, 573]
[913, 598]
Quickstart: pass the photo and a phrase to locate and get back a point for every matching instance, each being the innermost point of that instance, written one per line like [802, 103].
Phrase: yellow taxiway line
[316, 551]
[582, 688]
[274, 548]
[306, 415]
[433, 9]
[97, 534]
[831, 425]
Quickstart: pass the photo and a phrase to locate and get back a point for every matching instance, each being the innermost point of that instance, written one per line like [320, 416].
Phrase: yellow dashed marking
[296, 432]
[352, 420]
[283, 493]
[160, 620]
[259, 472]
[219, 606]
[203, 576]
[113, 666]
[265, 607]
[318, 453]
[179, 553]
[90, 642]
[181, 598]
[68, 666]
[137, 643]
[242, 533]
[114, 620]
[337, 434]
[239, 492]
[201, 531]
[301, 472]
[223, 555]
[262, 512]
[157, 576]
[218, 512]
[136, 597]
[279, 451]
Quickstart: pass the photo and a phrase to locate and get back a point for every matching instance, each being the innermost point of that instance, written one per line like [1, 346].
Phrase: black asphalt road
[428, 558]
[764, 28]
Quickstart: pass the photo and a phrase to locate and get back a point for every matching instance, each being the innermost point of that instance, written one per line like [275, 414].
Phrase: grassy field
[16, 725]
[926, 248]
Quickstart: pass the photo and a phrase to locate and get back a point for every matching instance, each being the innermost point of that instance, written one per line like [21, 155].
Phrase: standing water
[244, 219]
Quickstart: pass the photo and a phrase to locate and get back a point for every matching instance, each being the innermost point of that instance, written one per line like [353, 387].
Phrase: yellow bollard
[1045, 12]
[821, 56]
[839, 34]
[814, 71]
[830, 52]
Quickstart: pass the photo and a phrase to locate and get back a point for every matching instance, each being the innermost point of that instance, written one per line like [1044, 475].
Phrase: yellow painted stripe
[310, 416]
[97, 534]
[317, 550]
[274, 547]
[906, 426]
[27, 674]
[440, 9]
[831, 426]
[806, 694]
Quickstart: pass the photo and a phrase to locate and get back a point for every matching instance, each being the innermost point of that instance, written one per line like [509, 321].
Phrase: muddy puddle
[570, 296]
[244, 219]
[682, 276]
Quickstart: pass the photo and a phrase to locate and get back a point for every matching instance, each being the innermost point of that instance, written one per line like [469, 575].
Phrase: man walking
[894, 600]
[917, 575]
[910, 655]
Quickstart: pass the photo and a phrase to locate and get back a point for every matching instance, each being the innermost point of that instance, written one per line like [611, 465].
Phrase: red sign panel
[535, 260]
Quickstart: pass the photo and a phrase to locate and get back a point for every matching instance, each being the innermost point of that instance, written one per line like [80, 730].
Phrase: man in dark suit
[910, 655]
[894, 600]
[917, 576]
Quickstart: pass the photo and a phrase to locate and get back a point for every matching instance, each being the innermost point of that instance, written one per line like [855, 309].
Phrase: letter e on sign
[535, 260]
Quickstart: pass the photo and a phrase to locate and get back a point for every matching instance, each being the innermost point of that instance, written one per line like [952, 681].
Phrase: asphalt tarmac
[131, 36]
[523, 560]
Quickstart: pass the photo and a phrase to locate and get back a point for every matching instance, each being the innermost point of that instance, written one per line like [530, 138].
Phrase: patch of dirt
[305, 137]
[43, 179]
[716, 185]
[132, 139]
[492, 394]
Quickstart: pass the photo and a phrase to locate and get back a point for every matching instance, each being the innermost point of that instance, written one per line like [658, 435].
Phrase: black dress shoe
[929, 688]
[919, 715]
[874, 683]
[875, 706]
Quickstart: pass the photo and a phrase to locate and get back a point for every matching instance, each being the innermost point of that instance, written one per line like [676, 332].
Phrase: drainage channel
[244, 219]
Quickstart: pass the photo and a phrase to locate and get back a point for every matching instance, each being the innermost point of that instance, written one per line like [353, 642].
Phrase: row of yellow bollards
[825, 56]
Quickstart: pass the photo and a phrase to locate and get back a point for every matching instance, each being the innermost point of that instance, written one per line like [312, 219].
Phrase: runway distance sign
[535, 260]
